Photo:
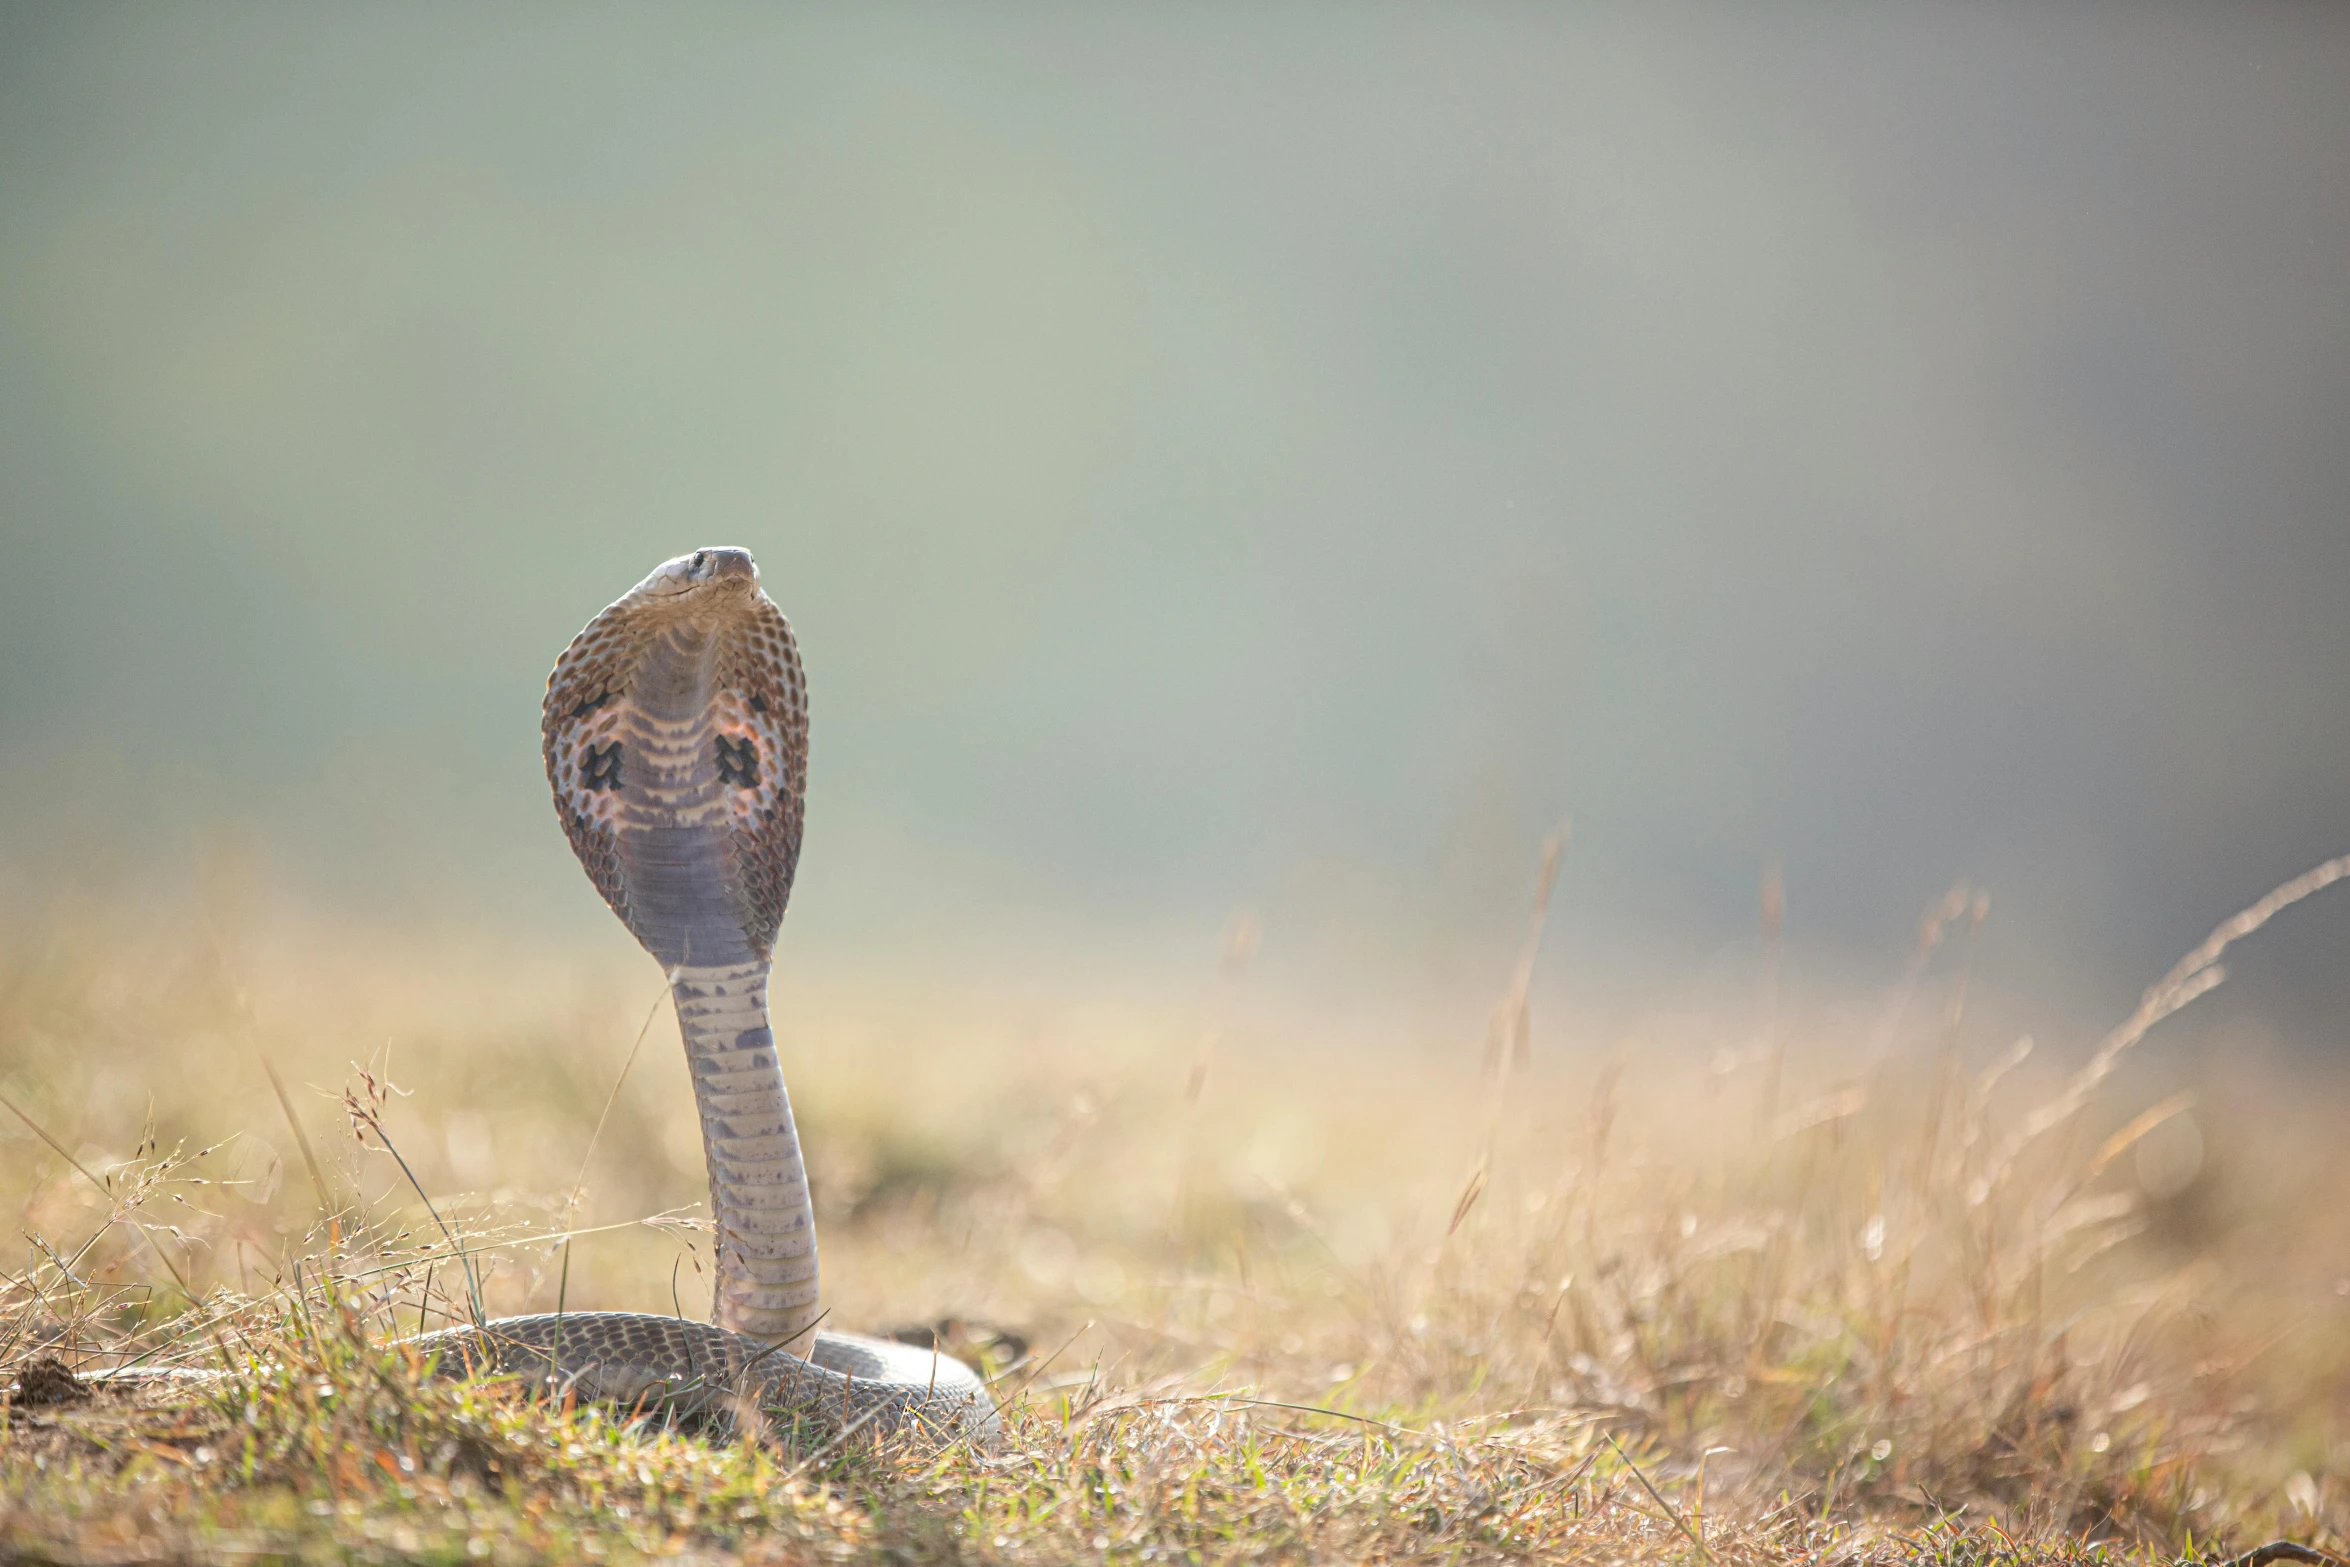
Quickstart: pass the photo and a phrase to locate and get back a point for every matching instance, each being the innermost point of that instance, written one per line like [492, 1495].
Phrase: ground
[1245, 1297]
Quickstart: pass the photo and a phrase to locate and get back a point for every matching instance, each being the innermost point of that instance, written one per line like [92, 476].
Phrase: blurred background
[1222, 465]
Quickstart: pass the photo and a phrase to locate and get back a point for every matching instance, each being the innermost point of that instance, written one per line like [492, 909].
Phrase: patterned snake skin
[675, 730]
[851, 1387]
[676, 737]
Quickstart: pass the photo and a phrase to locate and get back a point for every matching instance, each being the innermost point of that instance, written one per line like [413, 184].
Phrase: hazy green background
[1280, 457]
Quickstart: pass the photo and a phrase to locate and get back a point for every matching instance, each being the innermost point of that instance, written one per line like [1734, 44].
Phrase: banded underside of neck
[676, 860]
[765, 1221]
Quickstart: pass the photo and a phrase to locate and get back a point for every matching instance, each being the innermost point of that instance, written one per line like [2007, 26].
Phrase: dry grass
[1260, 1302]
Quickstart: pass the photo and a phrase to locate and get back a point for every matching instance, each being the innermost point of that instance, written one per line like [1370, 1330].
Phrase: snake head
[720, 571]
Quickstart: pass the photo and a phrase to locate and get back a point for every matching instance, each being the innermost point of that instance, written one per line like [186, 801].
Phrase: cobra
[675, 730]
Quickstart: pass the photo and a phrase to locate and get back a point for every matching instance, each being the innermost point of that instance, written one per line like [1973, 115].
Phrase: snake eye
[701, 559]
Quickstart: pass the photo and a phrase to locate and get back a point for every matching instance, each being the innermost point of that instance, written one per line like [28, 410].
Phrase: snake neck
[673, 828]
[765, 1222]
[675, 856]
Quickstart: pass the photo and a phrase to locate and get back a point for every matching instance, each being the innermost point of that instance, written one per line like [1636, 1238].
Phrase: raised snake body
[675, 732]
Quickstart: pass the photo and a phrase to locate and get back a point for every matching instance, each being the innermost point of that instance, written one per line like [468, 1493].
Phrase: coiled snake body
[675, 732]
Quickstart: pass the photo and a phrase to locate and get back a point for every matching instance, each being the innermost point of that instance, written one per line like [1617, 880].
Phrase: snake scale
[675, 732]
